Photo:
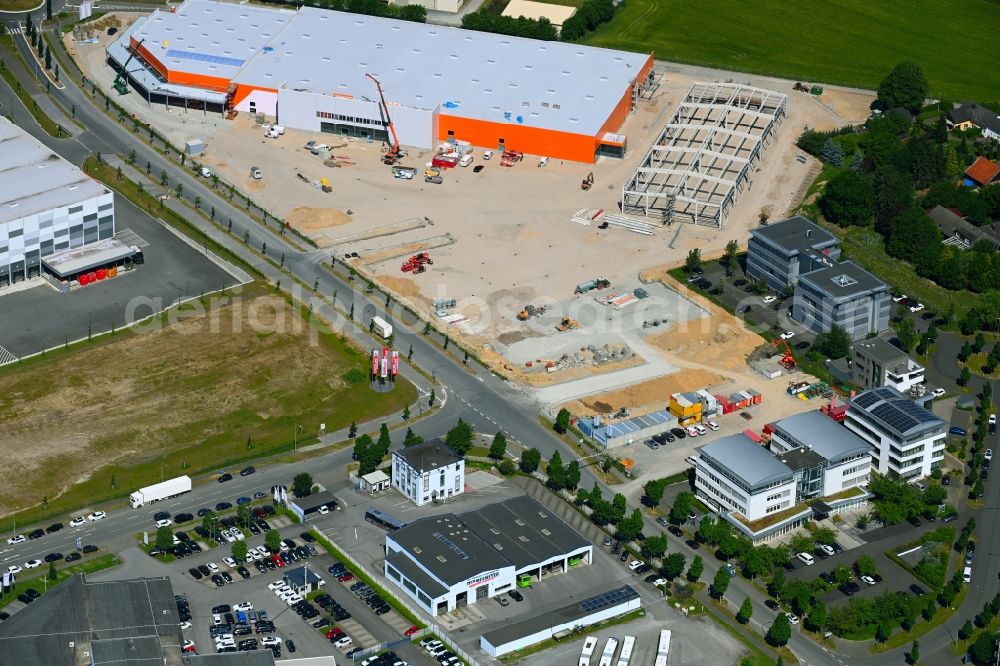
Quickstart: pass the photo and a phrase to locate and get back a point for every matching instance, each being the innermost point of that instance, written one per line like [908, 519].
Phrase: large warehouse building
[47, 205]
[447, 561]
[309, 70]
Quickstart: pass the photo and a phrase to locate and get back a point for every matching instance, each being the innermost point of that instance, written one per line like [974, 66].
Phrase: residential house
[971, 115]
[982, 172]
[428, 472]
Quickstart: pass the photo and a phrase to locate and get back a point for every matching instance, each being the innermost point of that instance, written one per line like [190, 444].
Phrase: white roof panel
[33, 179]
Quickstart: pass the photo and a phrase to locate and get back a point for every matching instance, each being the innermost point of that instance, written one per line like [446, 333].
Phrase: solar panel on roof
[608, 599]
[866, 400]
[205, 57]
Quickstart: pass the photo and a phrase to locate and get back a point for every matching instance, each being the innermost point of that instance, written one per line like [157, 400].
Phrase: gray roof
[979, 115]
[77, 260]
[570, 613]
[251, 658]
[316, 500]
[138, 650]
[822, 434]
[78, 611]
[746, 460]
[801, 458]
[33, 179]
[796, 234]
[843, 280]
[417, 576]
[895, 413]
[517, 532]
[428, 456]
[952, 225]
[299, 576]
[880, 351]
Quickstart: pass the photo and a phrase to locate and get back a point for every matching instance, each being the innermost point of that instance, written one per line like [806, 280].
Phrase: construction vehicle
[417, 263]
[588, 182]
[511, 157]
[394, 152]
[800, 87]
[121, 81]
[567, 324]
[591, 285]
[787, 360]
[530, 311]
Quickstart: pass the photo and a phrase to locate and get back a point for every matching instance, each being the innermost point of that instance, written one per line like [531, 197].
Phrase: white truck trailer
[160, 491]
[382, 328]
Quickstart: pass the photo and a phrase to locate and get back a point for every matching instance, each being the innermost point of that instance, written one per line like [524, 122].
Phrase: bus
[626, 653]
[383, 520]
[589, 643]
[663, 649]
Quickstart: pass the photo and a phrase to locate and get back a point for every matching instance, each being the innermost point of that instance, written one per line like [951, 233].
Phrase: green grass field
[850, 42]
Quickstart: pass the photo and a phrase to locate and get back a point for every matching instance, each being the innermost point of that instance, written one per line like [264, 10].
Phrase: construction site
[528, 259]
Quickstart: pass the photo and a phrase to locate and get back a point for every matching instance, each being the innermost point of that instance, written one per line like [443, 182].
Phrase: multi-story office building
[815, 467]
[47, 205]
[427, 472]
[907, 440]
[780, 252]
[844, 294]
[876, 362]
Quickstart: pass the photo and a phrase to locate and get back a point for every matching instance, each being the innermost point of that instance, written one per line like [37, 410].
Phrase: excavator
[530, 311]
[395, 152]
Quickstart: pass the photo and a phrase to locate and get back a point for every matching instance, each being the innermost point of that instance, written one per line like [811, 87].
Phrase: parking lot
[42, 318]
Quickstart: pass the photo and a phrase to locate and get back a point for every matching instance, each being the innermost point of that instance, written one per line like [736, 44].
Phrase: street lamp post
[16, 509]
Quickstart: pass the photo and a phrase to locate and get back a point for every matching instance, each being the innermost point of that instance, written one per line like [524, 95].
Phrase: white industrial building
[47, 205]
[447, 561]
[428, 472]
[906, 439]
[815, 467]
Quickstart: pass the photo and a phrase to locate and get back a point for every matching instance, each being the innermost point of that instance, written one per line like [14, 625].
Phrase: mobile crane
[394, 152]
[121, 83]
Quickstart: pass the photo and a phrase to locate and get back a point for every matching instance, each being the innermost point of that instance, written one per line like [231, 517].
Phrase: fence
[429, 629]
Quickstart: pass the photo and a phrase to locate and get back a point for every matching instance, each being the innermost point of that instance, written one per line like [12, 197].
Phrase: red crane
[393, 153]
[788, 361]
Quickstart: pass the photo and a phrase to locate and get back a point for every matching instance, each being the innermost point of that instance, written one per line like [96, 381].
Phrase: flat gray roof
[880, 350]
[801, 458]
[77, 611]
[518, 532]
[796, 234]
[418, 576]
[746, 460]
[80, 259]
[512, 631]
[819, 432]
[33, 179]
[895, 413]
[428, 456]
[843, 280]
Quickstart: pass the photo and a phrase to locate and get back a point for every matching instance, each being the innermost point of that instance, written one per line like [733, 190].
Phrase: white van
[701, 429]
[466, 160]
[487, 154]
[967, 574]
[807, 558]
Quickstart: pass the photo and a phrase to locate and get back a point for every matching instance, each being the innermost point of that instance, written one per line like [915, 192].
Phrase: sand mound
[307, 219]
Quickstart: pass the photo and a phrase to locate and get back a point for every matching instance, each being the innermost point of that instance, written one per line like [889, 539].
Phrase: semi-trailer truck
[160, 491]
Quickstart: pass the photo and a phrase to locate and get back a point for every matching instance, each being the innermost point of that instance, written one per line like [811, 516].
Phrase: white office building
[428, 472]
[907, 439]
[875, 362]
[447, 561]
[47, 205]
[846, 459]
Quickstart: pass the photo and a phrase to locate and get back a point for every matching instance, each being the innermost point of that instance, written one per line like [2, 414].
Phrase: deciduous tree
[696, 569]
[746, 610]
[720, 584]
[905, 86]
[530, 460]
[780, 631]
[460, 437]
[498, 448]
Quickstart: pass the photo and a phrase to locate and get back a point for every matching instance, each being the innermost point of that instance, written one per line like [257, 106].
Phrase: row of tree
[414, 13]
[485, 21]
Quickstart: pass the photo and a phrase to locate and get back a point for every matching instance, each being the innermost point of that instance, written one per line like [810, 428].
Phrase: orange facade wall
[216, 83]
[538, 141]
[527, 139]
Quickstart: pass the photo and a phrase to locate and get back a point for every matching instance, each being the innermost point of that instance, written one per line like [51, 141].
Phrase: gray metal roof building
[843, 280]
[128, 623]
[796, 234]
[820, 433]
[33, 179]
[893, 412]
[428, 456]
[746, 460]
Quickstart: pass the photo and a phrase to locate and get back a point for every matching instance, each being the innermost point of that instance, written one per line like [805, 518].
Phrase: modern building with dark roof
[127, 623]
[447, 561]
[520, 634]
[309, 69]
[843, 294]
[782, 251]
[906, 438]
[971, 115]
[876, 362]
[428, 472]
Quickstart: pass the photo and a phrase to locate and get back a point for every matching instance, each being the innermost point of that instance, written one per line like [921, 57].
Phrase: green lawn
[851, 42]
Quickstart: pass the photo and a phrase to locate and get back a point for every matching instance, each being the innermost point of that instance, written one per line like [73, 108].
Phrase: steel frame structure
[705, 154]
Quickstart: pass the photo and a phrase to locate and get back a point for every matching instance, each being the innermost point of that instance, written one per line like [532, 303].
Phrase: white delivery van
[382, 328]
[256, 173]
[465, 161]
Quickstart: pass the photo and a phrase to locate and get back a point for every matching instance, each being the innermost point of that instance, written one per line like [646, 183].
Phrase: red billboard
[395, 363]
[374, 362]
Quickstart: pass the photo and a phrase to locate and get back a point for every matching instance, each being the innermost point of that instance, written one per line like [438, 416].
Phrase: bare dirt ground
[140, 397]
[513, 241]
[644, 397]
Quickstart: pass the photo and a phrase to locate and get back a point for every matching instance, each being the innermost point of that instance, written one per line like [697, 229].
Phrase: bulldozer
[587, 182]
[567, 324]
